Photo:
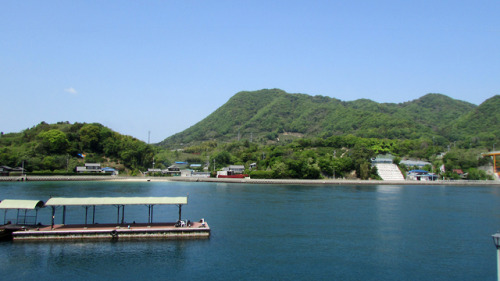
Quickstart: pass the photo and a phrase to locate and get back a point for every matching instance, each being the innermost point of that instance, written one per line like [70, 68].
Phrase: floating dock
[113, 232]
[25, 227]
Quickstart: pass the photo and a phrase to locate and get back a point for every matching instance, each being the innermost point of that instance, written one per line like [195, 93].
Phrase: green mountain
[268, 114]
[480, 124]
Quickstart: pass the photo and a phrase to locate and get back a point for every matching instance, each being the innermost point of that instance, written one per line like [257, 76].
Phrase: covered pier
[118, 202]
[24, 210]
[23, 219]
[111, 231]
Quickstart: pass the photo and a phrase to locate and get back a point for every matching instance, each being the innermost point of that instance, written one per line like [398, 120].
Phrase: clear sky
[162, 66]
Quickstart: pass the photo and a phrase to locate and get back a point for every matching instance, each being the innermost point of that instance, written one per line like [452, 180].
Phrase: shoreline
[248, 180]
[335, 181]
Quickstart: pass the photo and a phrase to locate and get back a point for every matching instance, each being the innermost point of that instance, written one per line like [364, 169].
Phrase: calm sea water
[274, 232]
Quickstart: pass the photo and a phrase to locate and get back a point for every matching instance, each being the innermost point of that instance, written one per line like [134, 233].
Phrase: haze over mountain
[267, 114]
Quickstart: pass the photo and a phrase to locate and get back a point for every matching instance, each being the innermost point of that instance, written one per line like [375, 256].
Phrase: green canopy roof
[20, 204]
[95, 201]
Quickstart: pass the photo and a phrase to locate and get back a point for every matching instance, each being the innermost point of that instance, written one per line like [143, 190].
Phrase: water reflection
[94, 260]
[389, 188]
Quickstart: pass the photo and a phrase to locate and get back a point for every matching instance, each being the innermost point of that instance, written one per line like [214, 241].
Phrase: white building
[89, 168]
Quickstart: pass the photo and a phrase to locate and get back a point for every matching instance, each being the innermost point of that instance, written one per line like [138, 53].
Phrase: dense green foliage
[61, 146]
[266, 115]
[480, 125]
[57, 147]
[284, 135]
[336, 156]
[301, 136]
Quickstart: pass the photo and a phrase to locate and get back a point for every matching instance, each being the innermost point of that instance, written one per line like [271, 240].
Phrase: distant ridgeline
[270, 115]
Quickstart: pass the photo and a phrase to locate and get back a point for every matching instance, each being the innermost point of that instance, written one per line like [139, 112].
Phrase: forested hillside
[63, 146]
[283, 136]
[482, 124]
[267, 115]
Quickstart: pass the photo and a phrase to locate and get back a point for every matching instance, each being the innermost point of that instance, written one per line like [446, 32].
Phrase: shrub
[262, 174]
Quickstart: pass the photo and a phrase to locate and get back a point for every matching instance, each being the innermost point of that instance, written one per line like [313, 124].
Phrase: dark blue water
[274, 232]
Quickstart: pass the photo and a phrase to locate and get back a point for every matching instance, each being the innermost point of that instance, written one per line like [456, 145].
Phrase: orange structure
[494, 154]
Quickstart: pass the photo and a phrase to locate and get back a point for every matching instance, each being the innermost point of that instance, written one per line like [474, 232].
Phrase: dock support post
[118, 215]
[64, 215]
[53, 214]
[86, 212]
[123, 214]
[149, 214]
[180, 208]
[152, 207]
[93, 214]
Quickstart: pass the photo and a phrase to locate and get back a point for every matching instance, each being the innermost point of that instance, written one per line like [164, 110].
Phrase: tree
[89, 136]
[364, 169]
[342, 166]
[54, 141]
[280, 170]
[50, 163]
[476, 174]
[221, 159]
[360, 155]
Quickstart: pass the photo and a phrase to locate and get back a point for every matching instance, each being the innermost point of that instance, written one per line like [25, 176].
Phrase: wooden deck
[114, 232]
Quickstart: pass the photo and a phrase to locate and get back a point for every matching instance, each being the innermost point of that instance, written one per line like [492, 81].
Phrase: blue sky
[162, 66]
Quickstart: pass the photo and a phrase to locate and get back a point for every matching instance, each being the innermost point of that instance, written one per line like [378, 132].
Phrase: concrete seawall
[58, 178]
[250, 181]
[334, 181]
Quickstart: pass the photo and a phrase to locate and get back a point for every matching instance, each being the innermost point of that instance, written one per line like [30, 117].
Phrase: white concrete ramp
[389, 172]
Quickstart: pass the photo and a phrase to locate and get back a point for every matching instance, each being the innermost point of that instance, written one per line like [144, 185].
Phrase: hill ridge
[266, 113]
